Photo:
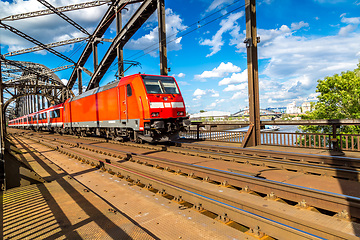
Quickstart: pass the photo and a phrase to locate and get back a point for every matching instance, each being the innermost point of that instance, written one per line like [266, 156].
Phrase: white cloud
[199, 93]
[150, 40]
[265, 1]
[294, 63]
[240, 95]
[228, 24]
[181, 75]
[352, 24]
[354, 20]
[330, 1]
[214, 104]
[297, 26]
[235, 78]
[233, 87]
[221, 71]
[213, 93]
[217, 4]
[266, 35]
[183, 83]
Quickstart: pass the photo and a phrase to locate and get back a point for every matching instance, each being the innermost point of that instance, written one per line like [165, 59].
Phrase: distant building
[293, 109]
[306, 107]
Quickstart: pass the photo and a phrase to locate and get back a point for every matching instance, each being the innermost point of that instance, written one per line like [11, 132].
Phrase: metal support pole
[31, 103]
[38, 103]
[253, 135]
[95, 55]
[27, 103]
[2, 132]
[43, 102]
[334, 140]
[162, 37]
[119, 50]
[79, 80]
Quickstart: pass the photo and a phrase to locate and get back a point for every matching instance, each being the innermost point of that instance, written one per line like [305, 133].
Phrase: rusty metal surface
[235, 216]
[268, 160]
[324, 200]
[153, 213]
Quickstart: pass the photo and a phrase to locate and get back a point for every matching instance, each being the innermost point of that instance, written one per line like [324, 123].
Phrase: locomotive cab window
[170, 86]
[160, 85]
[128, 90]
[55, 113]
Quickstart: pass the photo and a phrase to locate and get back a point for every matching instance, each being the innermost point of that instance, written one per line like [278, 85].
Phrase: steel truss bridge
[26, 87]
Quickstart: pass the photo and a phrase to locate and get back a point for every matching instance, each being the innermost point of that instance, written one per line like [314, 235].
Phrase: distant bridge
[263, 112]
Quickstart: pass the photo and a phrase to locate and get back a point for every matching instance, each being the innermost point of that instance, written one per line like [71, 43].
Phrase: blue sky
[301, 42]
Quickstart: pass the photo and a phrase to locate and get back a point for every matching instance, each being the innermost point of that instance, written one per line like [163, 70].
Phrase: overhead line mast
[252, 137]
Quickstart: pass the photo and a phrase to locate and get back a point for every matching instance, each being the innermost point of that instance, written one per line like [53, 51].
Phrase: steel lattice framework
[26, 78]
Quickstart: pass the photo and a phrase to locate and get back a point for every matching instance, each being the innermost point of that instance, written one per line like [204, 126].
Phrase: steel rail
[302, 157]
[229, 209]
[311, 197]
[274, 164]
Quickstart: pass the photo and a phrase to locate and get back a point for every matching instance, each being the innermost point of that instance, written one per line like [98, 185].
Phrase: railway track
[320, 165]
[136, 167]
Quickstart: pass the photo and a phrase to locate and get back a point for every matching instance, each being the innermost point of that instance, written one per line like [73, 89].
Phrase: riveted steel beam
[59, 9]
[50, 45]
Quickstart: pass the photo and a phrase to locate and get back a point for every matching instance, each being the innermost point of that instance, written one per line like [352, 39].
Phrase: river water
[283, 128]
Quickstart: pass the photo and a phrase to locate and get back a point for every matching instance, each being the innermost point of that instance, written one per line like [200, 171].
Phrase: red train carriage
[141, 107]
[46, 119]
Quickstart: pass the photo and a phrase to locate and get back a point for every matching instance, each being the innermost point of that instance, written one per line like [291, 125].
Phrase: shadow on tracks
[68, 229]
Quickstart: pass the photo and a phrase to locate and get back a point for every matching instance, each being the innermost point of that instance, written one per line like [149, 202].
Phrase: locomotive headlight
[155, 114]
[165, 98]
[180, 113]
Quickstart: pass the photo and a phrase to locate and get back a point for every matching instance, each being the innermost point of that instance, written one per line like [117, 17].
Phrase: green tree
[339, 99]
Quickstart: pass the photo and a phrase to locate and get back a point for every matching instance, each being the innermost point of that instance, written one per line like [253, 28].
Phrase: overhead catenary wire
[186, 28]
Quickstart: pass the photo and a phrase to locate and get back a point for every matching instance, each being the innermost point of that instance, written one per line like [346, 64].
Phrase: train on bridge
[138, 107]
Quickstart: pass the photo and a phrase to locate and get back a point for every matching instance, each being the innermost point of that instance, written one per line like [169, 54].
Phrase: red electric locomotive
[139, 107]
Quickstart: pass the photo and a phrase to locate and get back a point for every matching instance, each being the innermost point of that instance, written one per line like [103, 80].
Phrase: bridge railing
[349, 142]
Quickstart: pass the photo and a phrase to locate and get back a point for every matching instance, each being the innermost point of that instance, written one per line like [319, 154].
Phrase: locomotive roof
[95, 90]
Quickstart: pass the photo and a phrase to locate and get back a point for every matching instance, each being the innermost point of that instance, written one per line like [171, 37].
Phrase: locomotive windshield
[159, 85]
